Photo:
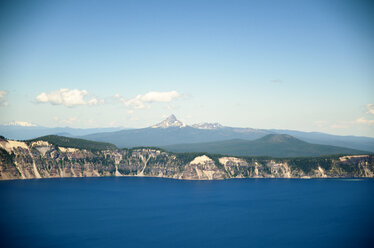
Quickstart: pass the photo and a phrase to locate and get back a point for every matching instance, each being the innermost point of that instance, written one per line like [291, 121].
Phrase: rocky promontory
[41, 159]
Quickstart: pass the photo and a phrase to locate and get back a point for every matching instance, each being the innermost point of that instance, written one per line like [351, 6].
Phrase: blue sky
[304, 65]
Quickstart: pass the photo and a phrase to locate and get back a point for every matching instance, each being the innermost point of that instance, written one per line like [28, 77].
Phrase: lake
[155, 212]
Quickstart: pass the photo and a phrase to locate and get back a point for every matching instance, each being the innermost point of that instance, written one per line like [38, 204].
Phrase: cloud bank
[3, 95]
[364, 121]
[142, 101]
[370, 108]
[68, 98]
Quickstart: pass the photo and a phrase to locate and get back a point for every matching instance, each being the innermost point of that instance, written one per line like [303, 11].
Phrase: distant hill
[354, 142]
[272, 145]
[75, 143]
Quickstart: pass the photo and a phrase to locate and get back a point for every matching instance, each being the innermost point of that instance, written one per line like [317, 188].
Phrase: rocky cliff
[40, 159]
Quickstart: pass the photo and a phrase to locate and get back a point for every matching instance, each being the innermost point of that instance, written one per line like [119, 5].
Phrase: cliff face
[39, 159]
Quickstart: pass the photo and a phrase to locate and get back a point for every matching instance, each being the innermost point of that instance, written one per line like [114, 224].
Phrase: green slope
[273, 145]
[75, 143]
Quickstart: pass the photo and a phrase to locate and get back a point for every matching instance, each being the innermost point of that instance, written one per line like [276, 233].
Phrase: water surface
[154, 212]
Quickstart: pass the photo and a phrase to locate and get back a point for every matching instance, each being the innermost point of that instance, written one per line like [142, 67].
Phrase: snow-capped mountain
[207, 125]
[20, 124]
[171, 121]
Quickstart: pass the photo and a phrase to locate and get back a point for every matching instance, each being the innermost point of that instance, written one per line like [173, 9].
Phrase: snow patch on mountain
[20, 123]
[171, 121]
[206, 125]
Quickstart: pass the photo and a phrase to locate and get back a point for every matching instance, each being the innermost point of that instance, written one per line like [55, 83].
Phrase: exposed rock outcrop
[39, 159]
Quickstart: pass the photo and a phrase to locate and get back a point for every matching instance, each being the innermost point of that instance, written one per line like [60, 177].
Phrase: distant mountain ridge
[272, 145]
[354, 142]
[171, 131]
[172, 135]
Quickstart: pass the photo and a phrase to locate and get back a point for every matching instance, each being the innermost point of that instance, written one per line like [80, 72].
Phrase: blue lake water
[154, 212]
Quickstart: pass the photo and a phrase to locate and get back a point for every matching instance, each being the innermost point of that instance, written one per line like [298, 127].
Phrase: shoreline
[193, 180]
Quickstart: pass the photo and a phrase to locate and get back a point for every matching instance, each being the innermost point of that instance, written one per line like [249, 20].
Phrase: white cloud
[68, 98]
[364, 121]
[320, 123]
[343, 124]
[67, 121]
[370, 108]
[340, 125]
[142, 101]
[95, 101]
[3, 95]
[20, 123]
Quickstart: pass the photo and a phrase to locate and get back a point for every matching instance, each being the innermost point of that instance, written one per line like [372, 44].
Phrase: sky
[301, 65]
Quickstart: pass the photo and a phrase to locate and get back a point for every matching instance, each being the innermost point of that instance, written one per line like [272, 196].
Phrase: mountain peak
[171, 121]
[171, 118]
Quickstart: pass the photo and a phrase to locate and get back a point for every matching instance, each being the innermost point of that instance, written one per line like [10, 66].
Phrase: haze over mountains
[171, 131]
